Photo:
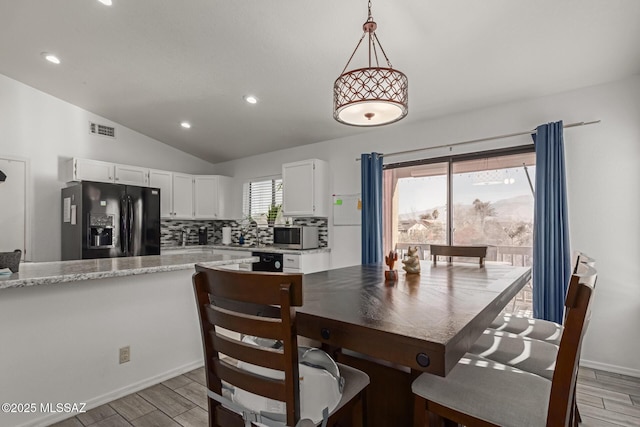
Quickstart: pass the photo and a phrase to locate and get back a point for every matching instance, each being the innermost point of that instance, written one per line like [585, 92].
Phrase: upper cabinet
[305, 188]
[132, 175]
[90, 170]
[164, 181]
[210, 194]
[94, 170]
[182, 196]
[191, 196]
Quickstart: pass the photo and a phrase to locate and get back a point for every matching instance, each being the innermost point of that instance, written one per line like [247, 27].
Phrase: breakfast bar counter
[243, 248]
[71, 333]
[46, 273]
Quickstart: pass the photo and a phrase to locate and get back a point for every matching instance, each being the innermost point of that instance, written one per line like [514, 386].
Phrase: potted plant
[274, 210]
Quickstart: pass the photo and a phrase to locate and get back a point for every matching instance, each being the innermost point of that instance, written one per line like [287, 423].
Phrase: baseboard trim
[116, 394]
[610, 368]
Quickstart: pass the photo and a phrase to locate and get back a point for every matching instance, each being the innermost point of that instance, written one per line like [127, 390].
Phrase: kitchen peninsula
[62, 325]
[46, 273]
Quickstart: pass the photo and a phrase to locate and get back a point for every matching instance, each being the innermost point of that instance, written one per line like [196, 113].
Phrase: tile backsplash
[171, 229]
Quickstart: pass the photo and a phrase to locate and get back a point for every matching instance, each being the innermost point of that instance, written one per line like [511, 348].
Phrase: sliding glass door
[480, 199]
[415, 208]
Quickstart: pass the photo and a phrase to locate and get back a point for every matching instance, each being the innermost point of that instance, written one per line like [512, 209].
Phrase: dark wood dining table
[397, 330]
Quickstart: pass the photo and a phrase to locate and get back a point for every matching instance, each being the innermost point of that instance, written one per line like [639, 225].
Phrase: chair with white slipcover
[262, 304]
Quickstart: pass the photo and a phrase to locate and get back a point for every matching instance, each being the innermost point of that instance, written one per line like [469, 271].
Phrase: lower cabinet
[305, 263]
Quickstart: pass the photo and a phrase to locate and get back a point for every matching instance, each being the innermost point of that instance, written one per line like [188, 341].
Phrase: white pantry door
[13, 201]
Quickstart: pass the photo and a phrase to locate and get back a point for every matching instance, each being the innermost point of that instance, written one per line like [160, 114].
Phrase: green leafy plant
[274, 210]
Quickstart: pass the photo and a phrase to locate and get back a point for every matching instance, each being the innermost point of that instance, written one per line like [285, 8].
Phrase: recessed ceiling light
[105, 2]
[186, 125]
[251, 99]
[51, 58]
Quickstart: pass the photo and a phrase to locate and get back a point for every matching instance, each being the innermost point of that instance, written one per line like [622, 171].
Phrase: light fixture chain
[383, 52]
[375, 53]
[372, 96]
[370, 43]
[354, 52]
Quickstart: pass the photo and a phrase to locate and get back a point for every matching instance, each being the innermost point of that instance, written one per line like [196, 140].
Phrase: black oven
[268, 262]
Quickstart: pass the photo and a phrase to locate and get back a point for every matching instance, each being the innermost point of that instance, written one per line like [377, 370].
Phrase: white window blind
[260, 195]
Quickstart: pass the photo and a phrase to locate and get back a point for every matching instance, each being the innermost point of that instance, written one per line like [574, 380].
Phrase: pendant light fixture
[371, 96]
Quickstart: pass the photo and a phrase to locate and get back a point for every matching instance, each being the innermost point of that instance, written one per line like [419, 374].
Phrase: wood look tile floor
[605, 399]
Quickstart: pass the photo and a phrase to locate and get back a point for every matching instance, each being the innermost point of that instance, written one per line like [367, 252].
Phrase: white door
[164, 181]
[14, 208]
[205, 197]
[182, 196]
[297, 179]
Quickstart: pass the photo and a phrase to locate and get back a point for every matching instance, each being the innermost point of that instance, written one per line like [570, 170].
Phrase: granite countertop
[46, 273]
[246, 248]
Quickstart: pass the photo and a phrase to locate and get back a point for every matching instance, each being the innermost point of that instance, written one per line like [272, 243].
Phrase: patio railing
[515, 255]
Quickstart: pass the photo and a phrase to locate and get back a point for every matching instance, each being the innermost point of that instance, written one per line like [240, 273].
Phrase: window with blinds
[260, 195]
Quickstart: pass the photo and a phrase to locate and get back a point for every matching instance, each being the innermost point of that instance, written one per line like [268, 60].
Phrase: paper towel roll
[226, 235]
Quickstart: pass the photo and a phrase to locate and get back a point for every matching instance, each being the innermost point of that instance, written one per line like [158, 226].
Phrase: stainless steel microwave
[296, 237]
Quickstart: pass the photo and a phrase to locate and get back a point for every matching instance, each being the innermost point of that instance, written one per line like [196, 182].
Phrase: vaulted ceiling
[150, 64]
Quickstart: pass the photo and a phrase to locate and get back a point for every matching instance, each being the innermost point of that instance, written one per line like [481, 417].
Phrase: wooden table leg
[389, 400]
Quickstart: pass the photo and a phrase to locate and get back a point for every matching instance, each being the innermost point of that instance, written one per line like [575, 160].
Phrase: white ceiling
[149, 64]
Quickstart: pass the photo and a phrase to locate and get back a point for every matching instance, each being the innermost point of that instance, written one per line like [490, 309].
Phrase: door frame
[27, 256]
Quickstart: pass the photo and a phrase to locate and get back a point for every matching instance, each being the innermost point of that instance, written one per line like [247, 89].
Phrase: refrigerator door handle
[124, 241]
[130, 217]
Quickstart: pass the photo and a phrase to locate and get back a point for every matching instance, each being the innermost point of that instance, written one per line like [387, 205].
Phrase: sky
[425, 193]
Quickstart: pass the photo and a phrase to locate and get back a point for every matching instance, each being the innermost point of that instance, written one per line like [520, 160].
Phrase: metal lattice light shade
[371, 96]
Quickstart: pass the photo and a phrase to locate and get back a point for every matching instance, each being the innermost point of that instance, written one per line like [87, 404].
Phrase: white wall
[48, 131]
[603, 176]
[60, 342]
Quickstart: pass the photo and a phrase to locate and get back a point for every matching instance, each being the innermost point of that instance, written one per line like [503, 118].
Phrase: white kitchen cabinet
[225, 208]
[210, 196]
[164, 181]
[182, 198]
[89, 170]
[305, 188]
[132, 175]
[305, 263]
[205, 193]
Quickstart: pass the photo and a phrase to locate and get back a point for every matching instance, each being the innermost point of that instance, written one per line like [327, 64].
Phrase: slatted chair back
[582, 258]
[459, 251]
[230, 299]
[583, 264]
[456, 396]
[577, 318]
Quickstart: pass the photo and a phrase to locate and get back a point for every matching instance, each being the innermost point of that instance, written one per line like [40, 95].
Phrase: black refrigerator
[102, 220]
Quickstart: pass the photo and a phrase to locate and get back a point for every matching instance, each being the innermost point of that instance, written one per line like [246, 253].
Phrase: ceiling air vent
[96, 129]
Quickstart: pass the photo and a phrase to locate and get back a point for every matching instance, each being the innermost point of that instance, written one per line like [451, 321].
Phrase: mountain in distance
[519, 208]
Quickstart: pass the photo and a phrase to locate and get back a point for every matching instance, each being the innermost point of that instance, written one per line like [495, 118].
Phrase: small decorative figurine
[390, 260]
[411, 261]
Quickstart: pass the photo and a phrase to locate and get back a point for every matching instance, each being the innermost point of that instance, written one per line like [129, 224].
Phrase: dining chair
[482, 392]
[260, 304]
[531, 355]
[458, 251]
[539, 329]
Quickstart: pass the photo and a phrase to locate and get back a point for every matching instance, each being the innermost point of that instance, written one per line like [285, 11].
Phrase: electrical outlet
[125, 354]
